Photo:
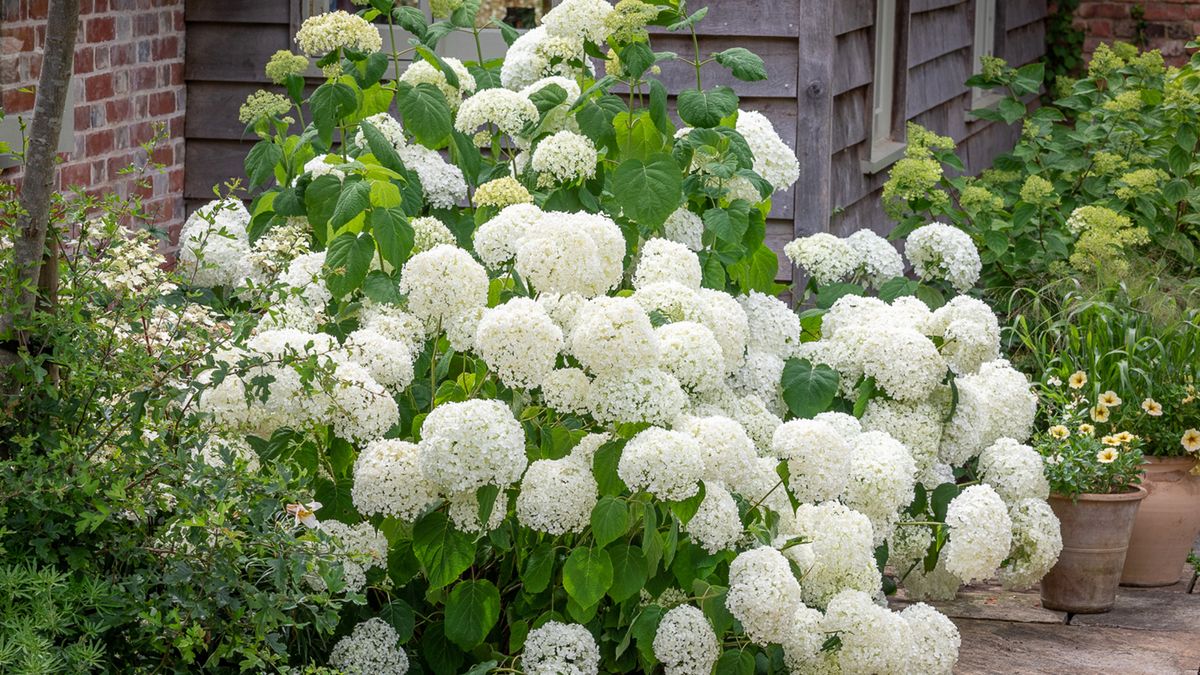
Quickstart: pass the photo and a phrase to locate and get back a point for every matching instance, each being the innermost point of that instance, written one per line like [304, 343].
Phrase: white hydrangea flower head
[361, 409]
[564, 157]
[562, 308]
[774, 327]
[213, 244]
[935, 640]
[874, 639]
[585, 450]
[852, 312]
[323, 165]
[671, 299]
[305, 280]
[907, 545]
[579, 20]
[818, 458]
[940, 251]
[763, 594]
[388, 361]
[464, 512]
[1014, 471]
[760, 423]
[685, 227]
[528, 59]
[970, 333]
[429, 232]
[612, 335]
[215, 449]
[496, 240]
[690, 352]
[443, 283]
[442, 182]
[665, 260]
[883, 476]
[980, 533]
[566, 390]
[558, 118]
[841, 550]
[762, 376]
[467, 445]
[270, 255]
[572, 253]
[359, 548]
[389, 127]
[802, 647]
[963, 435]
[1036, 544]
[917, 425]
[557, 496]
[765, 488]
[727, 451]
[372, 648]
[460, 331]
[716, 525]
[877, 259]
[825, 257]
[556, 648]
[1009, 399]
[508, 111]
[388, 481]
[685, 642]
[323, 33]
[724, 316]
[519, 342]
[773, 159]
[393, 323]
[647, 395]
[847, 426]
[667, 464]
[904, 363]
[421, 71]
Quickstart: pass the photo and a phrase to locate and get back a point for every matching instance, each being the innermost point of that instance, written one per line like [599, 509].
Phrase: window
[520, 14]
[984, 45]
[887, 115]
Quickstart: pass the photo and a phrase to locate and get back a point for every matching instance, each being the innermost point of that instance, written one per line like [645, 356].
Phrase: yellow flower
[1153, 408]
[1110, 440]
[1100, 414]
[1125, 437]
[1059, 431]
[1107, 456]
[1077, 379]
[1191, 440]
[1087, 429]
[1109, 399]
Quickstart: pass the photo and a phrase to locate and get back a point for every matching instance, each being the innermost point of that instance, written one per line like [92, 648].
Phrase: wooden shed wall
[228, 44]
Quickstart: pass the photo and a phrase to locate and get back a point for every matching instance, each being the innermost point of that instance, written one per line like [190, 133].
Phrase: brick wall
[1166, 25]
[129, 74]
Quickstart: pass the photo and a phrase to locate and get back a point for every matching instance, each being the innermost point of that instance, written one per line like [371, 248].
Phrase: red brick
[118, 109]
[165, 48]
[99, 87]
[121, 54]
[85, 61]
[76, 174]
[145, 24]
[100, 142]
[162, 103]
[101, 30]
[143, 78]
[39, 9]
[1158, 11]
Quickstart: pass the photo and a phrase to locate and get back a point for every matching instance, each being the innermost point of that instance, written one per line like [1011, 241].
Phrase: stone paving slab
[994, 604]
[1149, 609]
[1006, 648]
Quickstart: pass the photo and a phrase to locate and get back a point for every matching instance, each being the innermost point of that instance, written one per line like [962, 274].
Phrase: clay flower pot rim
[1185, 459]
[1137, 493]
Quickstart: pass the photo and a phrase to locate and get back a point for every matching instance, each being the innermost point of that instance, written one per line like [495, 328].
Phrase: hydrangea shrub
[570, 428]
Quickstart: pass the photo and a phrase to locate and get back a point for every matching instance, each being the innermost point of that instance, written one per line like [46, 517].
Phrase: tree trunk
[29, 249]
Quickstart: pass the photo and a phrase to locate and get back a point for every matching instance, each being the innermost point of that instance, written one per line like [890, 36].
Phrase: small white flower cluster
[980, 533]
[685, 642]
[507, 111]
[213, 244]
[423, 72]
[519, 342]
[773, 159]
[685, 227]
[467, 445]
[429, 232]
[442, 182]
[370, 649]
[1014, 471]
[323, 33]
[557, 495]
[389, 127]
[556, 648]
[537, 54]
[564, 157]
[443, 284]
[838, 552]
[864, 257]
[940, 251]
[763, 594]
[359, 547]
[1036, 543]
[579, 20]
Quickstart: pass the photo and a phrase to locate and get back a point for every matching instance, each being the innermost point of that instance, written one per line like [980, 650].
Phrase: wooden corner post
[814, 117]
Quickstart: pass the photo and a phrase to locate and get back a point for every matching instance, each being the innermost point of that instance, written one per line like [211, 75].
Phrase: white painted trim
[884, 147]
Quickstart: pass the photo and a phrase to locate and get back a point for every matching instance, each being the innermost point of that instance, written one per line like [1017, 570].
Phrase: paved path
[1154, 631]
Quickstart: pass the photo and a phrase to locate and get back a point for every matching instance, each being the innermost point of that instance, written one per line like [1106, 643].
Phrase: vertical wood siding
[229, 42]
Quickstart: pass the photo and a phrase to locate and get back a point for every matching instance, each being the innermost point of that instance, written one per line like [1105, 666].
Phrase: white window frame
[984, 45]
[885, 147]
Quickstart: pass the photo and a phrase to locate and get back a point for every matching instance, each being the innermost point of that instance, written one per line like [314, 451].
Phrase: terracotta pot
[1095, 532]
[1166, 525]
